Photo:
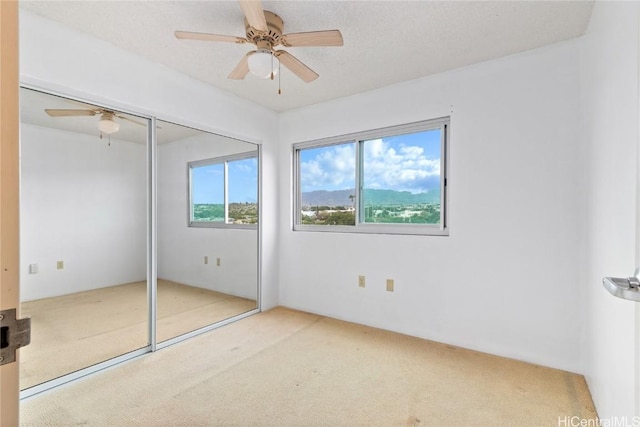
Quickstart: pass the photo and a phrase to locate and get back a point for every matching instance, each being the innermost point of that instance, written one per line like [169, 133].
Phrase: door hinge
[14, 333]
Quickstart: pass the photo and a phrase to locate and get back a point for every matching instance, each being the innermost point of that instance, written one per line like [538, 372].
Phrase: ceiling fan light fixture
[263, 64]
[108, 126]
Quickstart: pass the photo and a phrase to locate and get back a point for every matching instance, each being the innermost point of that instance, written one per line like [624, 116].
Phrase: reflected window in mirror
[223, 191]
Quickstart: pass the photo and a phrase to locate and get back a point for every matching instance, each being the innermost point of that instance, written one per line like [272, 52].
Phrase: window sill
[223, 225]
[406, 229]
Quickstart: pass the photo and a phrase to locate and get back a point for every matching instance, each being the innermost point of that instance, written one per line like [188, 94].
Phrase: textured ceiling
[385, 42]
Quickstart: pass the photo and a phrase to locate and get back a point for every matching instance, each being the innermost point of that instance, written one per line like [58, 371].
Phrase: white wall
[60, 59]
[505, 280]
[610, 99]
[543, 154]
[83, 202]
[181, 249]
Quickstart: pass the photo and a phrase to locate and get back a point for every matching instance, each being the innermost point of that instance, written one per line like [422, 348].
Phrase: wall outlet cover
[390, 285]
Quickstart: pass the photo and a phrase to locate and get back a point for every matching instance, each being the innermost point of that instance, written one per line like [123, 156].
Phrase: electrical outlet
[60, 265]
[33, 268]
[206, 260]
[361, 281]
[390, 285]
[218, 262]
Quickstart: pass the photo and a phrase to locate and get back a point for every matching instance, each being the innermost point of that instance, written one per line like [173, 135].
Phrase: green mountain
[392, 197]
[372, 197]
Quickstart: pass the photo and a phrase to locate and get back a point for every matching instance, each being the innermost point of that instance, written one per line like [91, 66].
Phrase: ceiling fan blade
[296, 67]
[313, 38]
[54, 112]
[242, 68]
[130, 120]
[255, 15]
[208, 37]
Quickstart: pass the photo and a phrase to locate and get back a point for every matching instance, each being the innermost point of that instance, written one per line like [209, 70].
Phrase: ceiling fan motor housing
[273, 35]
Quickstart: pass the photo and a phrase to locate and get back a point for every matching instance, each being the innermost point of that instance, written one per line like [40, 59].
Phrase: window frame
[224, 160]
[358, 138]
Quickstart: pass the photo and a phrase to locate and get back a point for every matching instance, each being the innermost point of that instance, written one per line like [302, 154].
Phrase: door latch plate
[14, 333]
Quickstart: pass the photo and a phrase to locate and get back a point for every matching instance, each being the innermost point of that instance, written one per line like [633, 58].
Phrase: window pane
[207, 193]
[401, 179]
[327, 185]
[243, 191]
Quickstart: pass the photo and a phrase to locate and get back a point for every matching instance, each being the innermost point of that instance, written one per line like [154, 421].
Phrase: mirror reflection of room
[207, 228]
[85, 213]
[83, 201]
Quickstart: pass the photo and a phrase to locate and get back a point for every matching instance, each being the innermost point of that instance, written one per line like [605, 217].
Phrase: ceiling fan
[106, 124]
[265, 30]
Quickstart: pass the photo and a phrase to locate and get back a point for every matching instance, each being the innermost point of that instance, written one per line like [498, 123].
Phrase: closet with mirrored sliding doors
[135, 233]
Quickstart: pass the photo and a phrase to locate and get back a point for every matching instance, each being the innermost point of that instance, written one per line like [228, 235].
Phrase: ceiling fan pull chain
[279, 79]
[272, 66]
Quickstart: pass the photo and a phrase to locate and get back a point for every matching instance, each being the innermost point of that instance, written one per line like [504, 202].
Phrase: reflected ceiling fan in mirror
[106, 125]
[265, 30]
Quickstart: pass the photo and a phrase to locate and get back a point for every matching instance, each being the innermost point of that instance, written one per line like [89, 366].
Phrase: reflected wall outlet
[361, 281]
[218, 262]
[60, 265]
[206, 260]
[390, 285]
[33, 268]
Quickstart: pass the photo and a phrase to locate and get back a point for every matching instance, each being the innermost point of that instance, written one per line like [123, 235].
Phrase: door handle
[626, 288]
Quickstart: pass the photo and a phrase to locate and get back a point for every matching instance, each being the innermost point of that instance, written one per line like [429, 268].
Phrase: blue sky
[404, 163]
[208, 182]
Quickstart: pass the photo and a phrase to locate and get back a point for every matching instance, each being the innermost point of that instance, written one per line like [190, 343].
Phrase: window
[389, 180]
[223, 192]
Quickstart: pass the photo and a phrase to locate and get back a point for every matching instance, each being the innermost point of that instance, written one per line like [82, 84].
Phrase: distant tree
[322, 216]
[341, 218]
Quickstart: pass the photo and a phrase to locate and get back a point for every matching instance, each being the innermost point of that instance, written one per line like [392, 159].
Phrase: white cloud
[399, 167]
[246, 166]
[387, 165]
[332, 168]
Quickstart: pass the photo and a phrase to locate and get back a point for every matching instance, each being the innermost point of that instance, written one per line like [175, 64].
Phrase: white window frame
[441, 229]
[224, 160]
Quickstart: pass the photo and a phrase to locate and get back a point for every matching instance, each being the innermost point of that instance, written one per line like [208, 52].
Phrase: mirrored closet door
[83, 242]
[207, 234]
[131, 239]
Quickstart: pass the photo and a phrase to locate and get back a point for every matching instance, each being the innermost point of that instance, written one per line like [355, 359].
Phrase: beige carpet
[287, 368]
[74, 331]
